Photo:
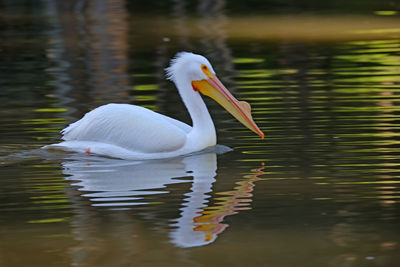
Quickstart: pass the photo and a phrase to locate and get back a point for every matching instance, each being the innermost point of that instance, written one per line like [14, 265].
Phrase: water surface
[322, 189]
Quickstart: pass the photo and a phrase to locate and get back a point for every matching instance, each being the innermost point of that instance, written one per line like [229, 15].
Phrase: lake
[322, 189]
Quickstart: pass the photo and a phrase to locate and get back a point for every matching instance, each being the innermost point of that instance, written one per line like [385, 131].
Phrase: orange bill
[241, 110]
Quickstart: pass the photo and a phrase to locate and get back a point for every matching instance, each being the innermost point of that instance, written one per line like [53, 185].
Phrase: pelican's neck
[203, 127]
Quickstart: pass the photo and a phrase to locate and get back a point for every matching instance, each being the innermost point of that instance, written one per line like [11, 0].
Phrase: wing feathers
[131, 127]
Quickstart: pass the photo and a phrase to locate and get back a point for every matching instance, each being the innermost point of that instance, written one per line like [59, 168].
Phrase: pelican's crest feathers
[176, 62]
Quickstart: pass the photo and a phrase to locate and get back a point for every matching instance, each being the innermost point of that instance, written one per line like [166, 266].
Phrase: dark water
[321, 190]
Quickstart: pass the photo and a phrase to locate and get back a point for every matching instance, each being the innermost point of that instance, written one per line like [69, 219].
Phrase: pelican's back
[130, 127]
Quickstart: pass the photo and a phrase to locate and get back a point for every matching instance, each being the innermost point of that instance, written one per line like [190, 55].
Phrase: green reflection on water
[264, 73]
[44, 121]
[51, 220]
[50, 110]
[49, 197]
[386, 12]
[52, 201]
[46, 130]
[379, 31]
[247, 60]
[330, 112]
[370, 182]
[145, 97]
[145, 87]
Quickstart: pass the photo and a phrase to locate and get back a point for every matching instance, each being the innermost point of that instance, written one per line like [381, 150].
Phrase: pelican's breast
[131, 127]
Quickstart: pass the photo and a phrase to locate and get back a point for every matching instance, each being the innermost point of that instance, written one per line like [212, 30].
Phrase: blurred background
[323, 79]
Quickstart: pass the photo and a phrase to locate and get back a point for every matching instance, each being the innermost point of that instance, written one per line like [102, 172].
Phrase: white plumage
[133, 132]
[104, 125]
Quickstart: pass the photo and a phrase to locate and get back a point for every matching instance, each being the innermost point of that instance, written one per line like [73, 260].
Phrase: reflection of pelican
[109, 182]
[133, 132]
[199, 223]
[112, 182]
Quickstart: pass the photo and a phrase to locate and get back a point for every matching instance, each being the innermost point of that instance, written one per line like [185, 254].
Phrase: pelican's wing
[130, 127]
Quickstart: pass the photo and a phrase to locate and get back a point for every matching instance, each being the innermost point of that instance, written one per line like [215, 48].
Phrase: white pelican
[133, 132]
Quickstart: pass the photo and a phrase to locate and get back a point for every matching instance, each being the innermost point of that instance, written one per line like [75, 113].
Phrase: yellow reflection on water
[145, 87]
[247, 60]
[51, 220]
[386, 12]
[227, 203]
[50, 110]
[44, 121]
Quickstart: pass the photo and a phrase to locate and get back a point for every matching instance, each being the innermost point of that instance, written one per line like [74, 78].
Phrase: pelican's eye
[206, 71]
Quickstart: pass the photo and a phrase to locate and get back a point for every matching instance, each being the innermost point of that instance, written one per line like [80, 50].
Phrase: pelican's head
[198, 70]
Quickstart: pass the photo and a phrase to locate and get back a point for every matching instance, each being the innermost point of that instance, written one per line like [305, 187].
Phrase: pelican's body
[133, 132]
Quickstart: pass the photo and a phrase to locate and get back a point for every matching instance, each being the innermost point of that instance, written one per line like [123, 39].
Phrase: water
[321, 190]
